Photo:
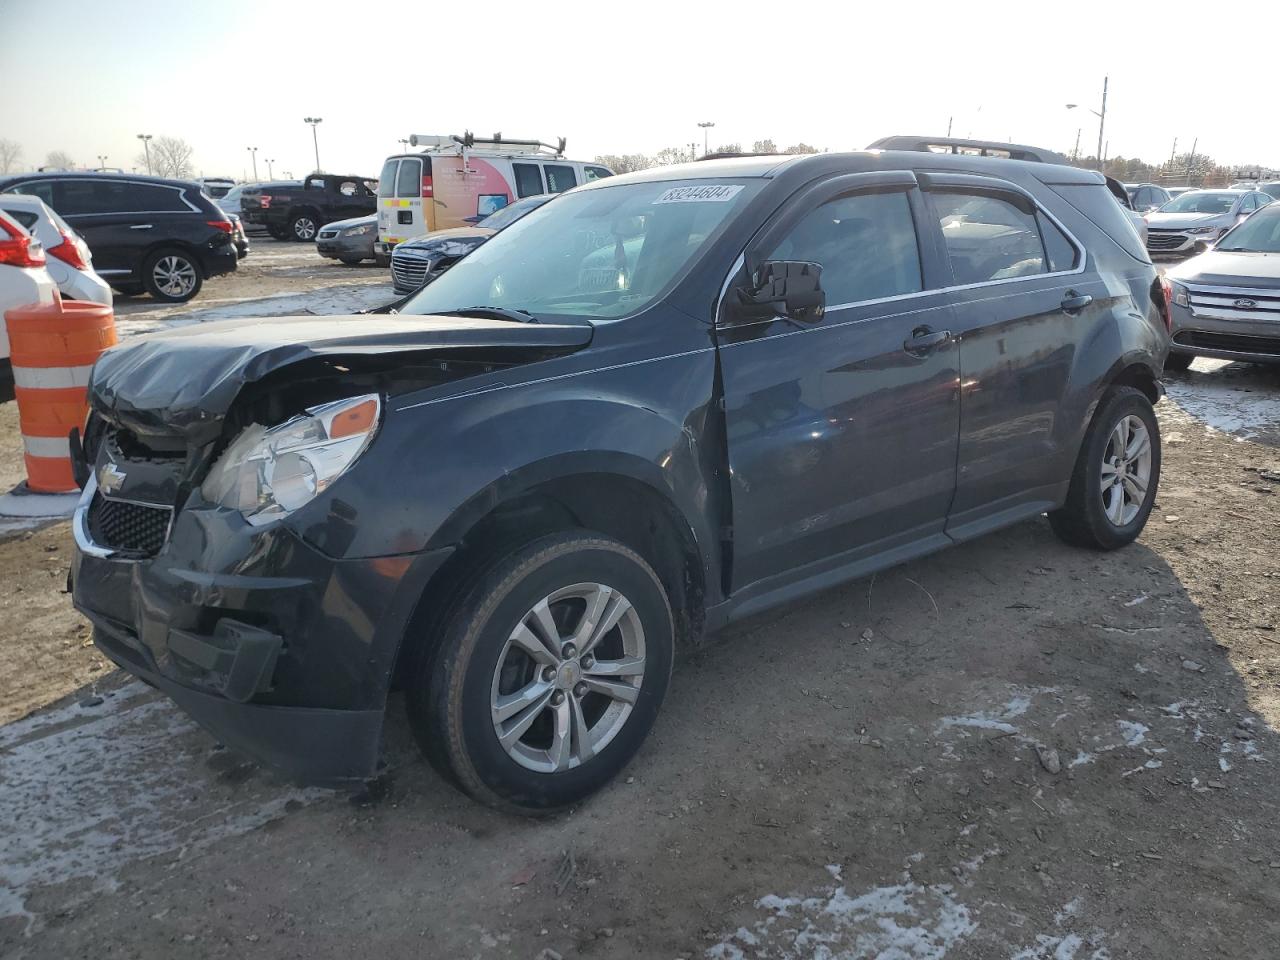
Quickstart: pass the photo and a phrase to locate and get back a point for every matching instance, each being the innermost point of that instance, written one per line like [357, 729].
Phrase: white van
[458, 181]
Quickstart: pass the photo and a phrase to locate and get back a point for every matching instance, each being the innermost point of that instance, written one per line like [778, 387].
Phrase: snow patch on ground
[905, 921]
[1238, 399]
[88, 790]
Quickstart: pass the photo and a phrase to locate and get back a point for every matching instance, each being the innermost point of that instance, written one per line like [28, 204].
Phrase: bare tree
[10, 154]
[728, 148]
[58, 160]
[625, 162]
[764, 146]
[669, 155]
[801, 147]
[171, 157]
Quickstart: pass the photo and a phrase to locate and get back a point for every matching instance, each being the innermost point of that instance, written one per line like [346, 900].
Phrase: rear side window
[528, 179]
[1060, 251]
[24, 217]
[559, 178]
[1096, 203]
[409, 180]
[866, 244]
[1247, 205]
[590, 173]
[37, 188]
[987, 237]
[387, 182]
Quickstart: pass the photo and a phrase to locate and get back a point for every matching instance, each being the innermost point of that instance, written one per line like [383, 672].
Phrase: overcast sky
[86, 76]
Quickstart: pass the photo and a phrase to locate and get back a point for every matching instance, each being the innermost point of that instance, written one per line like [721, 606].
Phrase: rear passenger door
[842, 433]
[1022, 299]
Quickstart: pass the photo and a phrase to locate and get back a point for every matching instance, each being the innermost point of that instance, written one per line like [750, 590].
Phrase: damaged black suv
[660, 403]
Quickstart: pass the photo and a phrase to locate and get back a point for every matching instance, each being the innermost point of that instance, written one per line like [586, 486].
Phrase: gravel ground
[1012, 749]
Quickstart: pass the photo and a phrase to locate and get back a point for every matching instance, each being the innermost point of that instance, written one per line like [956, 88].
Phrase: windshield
[600, 253]
[513, 212]
[1259, 234]
[1201, 202]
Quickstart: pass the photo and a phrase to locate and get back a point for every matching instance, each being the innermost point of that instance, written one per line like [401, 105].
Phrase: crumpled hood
[1229, 269]
[186, 380]
[1182, 221]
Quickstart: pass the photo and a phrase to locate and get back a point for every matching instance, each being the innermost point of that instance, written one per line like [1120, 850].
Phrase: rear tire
[128, 289]
[526, 721]
[303, 227]
[382, 260]
[1178, 361]
[172, 275]
[278, 233]
[352, 261]
[1117, 472]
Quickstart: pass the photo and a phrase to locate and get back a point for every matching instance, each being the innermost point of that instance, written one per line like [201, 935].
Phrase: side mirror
[792, 288]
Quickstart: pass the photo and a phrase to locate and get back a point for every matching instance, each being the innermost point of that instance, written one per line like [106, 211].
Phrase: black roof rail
[728, 154]
[982, 148]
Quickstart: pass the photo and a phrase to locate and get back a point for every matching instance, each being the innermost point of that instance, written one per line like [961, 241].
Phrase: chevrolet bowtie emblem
[110, 477]
[1244, 303]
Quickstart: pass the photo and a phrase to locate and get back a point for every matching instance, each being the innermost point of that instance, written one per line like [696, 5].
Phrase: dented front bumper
[275, 648]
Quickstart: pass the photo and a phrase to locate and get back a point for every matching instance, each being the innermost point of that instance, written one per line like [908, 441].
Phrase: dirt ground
[1012, 749]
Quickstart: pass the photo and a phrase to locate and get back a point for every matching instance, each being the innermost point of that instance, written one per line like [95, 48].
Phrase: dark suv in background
[164, 237]
[660, 403]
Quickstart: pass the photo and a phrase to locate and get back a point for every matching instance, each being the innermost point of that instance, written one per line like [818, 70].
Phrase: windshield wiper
[492, 313]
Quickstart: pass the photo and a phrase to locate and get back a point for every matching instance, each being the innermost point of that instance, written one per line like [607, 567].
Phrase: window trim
[180, 191]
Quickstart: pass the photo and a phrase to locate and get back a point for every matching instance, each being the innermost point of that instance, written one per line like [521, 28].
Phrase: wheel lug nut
[548, 673]
[557, 698]
[580, 690]
[569, 651]
[588, 662]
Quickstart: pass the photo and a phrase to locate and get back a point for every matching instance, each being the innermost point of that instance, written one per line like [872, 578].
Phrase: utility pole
[253, 152]
[1173, 153]
[706, 125]
[1191, 157]
[1102, 119]
[146, 147]
[1075, 154]
[949, 119]
[314, 122]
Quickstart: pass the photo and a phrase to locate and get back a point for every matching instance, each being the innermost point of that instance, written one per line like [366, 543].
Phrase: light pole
[102, 161]
[253, 152]
[314, 121]
[404, 145]
[706, 125]
[270, 176]
[1101, 115]
[146, 147]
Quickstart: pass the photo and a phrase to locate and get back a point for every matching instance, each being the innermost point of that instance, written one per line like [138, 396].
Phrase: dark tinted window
[866, 244]
[88, 197]
[590, 173]
[409, 180]
[1061, 252]
[24, 217]
[988, 238]
[1096, 203]
[528, 179]
[36, 188]
[559, 178]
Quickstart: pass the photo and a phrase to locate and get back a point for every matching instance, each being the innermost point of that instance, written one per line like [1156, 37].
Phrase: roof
[93, 175]
[1014, 151]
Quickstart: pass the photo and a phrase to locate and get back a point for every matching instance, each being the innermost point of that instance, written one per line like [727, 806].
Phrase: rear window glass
[409, 180]
[387, 182]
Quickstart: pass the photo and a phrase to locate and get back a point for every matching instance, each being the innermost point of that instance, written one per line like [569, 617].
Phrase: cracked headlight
[267, 473]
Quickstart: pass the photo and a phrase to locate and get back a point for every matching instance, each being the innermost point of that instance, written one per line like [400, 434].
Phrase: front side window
[528, 179]
[1247, 205]
[559, 177]
[988, 237]
[590, 172]
[387, 182]
[409, 179]
[865, 243]
[597, 254]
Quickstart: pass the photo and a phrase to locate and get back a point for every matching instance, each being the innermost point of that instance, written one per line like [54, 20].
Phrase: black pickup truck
[298, 212]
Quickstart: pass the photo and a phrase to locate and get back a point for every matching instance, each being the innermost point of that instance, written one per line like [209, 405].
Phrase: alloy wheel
[1126, 470]
[174, 276]
[568, 677]
[304, 228]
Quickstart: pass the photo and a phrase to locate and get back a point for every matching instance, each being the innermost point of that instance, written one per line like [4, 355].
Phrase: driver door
[842, 433]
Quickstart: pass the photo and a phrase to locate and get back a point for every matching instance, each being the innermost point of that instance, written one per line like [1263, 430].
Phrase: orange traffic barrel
[52, 348]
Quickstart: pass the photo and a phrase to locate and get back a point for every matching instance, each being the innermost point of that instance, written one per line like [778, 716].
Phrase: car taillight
[1166, 304]
[264, 201]
[224, 225]
[19, 249]
[69, 251]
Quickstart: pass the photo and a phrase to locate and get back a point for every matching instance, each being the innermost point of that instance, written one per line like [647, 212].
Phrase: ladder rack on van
[496, 143]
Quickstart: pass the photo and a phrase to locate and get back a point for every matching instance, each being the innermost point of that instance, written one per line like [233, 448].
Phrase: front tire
[1178, 361]
[549, 673]
[351, 261]
[172, 275]
[1117, 473]
[278, 233]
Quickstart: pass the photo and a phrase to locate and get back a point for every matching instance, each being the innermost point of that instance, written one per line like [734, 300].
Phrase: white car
[67, 257]
[23, 281]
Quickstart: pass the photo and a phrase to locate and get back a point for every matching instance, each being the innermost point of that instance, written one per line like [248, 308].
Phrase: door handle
[1075, 302]
[142, 226]
[923, 340]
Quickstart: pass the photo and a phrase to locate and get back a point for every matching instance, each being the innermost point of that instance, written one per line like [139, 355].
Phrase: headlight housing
[1180, 295]
[359, 231]
[268, 473]
[1204, 230]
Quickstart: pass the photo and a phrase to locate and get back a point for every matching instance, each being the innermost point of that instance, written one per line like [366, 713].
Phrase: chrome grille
[1235, 303]
[408, 269]
[132, 527]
